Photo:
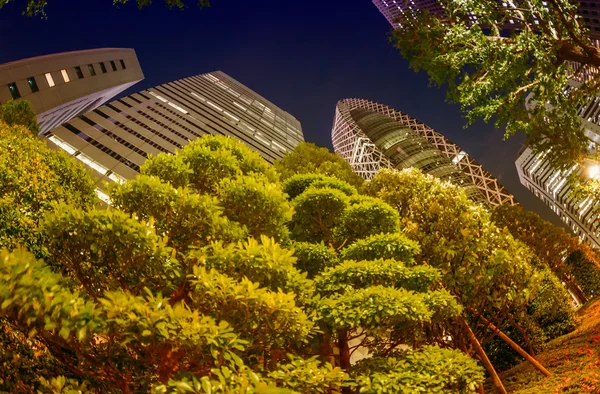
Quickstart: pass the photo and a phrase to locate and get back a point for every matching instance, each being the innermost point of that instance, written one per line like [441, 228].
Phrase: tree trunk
[515, 346]
[480, 389]
[344, 354]
[344, 349]
[483, 357]
[569, 51]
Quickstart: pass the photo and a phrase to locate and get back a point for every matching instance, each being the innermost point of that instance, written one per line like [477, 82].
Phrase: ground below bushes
[573, 360]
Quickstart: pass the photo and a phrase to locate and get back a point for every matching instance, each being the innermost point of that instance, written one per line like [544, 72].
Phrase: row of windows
[33, 86]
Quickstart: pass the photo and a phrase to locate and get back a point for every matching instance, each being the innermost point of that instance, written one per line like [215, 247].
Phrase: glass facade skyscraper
[115, 139]
[371, 136]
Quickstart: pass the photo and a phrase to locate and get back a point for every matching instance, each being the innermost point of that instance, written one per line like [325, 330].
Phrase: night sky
[303, 56]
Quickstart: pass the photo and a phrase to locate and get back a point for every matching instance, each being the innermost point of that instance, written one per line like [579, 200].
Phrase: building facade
[397, 11]
[64, 85]
[115, 139]
[371, 136]
[551, 185]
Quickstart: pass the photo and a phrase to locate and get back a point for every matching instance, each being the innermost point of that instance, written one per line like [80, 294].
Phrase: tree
[38, 7]
[483, 266]
[308, 158]
[571, 260]
[165, 292]
[19, 113]
[32, 177]
[500, 58]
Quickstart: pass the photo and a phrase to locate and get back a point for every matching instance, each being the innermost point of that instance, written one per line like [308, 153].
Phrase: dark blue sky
[302, 55]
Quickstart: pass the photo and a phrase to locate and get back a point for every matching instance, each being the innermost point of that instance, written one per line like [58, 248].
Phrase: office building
[371, 136]
[581, 215]
[397, 11]
[115, 139]
[63, 85]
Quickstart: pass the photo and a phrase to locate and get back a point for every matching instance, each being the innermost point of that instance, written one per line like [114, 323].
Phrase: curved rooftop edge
[62, 86]
[371, 136]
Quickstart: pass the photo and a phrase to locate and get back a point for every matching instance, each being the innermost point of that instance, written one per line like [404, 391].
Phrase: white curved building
[371, 136]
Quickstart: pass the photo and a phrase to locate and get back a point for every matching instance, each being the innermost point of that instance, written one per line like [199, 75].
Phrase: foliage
[38, 7]
[313, 258]
[203, 163]
[481, 264]
[186, 218]
[549, 315]
[309, 376]
[264, 262]
[260, 206]
[32, 176]
[497, 75]
[383, 246]
[196, 280]
[123, 253]
[365, 219]
[553, 246]
[297, 184]
[354, 274]
[431, 370]
[307, 158]
[585, 271]
[317, 213]
[19, 113]
[265, 319]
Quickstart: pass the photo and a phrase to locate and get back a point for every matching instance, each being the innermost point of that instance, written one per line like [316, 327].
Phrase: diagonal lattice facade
[358, 147]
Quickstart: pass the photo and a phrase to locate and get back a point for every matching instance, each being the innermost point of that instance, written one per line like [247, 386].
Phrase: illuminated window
[65, 75]
[33, 84]
[92, 70]
[14, 91]
[122, 64]
[103, 68]
[113, 65]
[78, 72]
[50, 79]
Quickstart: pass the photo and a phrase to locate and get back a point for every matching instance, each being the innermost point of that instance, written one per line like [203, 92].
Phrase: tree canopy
[576, 263]
[19, 113]
[308, 158]
[209, 275]
[499, 59]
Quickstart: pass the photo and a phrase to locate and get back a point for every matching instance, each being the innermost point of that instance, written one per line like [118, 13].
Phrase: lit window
[215, 106]
[33, 84]
[92, 70]
[78, 72]
[50, 79]
[65, 75]
[14, 91]
[103, 196]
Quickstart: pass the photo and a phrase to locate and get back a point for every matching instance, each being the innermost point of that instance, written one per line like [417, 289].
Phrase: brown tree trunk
[569, 51]
[344, 354]
[344, 349]
[516, 347]
[483, 357]
[480, 389]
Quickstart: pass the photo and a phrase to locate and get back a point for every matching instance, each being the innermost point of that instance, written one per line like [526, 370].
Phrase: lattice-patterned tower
[371, 136]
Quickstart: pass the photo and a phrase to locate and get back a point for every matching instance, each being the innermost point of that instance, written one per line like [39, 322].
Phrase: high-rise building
[115, 139]
[396, 11]
[371, 136]
[63, 85]
[551, 185]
